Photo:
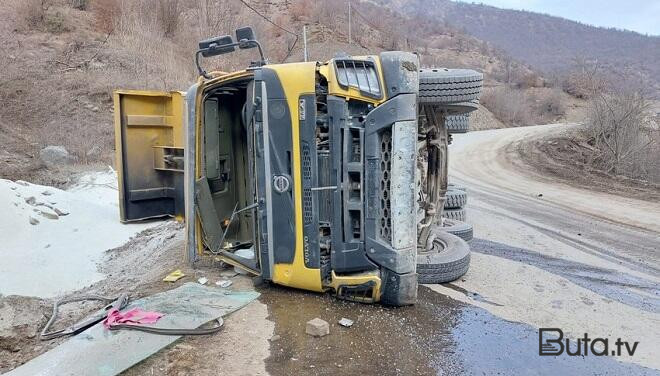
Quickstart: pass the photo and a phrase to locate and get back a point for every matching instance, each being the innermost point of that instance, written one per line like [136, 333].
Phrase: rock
[22, 182]
[61, 212]
[54, 156]
[224, 283]
[94, 151]
[46, 193]
[317, 327]
[49, 214]
[275, 338]
[203, 280]
[34, 221]
[31, 200]
[346, 322]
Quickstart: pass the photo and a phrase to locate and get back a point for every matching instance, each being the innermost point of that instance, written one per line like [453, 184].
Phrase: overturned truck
[324, 176]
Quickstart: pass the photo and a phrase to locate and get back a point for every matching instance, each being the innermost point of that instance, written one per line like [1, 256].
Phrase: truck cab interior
[225, 191]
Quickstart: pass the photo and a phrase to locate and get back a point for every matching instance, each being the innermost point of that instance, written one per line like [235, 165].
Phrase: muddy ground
[545, 254]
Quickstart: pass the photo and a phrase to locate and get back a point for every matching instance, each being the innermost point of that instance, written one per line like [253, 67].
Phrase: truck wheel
[447, 86]
[455, 198]
[447, 259]
[458, 187]
[461, 229]
[457, 123]
[457, 214]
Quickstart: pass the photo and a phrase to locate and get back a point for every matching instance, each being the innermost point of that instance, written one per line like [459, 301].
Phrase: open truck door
[149, 139]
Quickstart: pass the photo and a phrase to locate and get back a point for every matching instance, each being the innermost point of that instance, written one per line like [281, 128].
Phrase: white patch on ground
[524, 293]
[59, 253]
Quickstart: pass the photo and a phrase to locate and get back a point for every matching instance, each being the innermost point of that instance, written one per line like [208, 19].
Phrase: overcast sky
[642, 16]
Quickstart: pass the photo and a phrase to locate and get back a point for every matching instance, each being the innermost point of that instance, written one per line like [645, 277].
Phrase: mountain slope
[546, 42]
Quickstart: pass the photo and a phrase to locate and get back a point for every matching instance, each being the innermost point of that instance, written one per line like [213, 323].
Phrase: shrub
[168, 16]
[508, 105]
[33, 12]
[106, 13]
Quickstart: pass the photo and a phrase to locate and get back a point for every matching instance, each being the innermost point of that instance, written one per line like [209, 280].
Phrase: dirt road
[552, 255]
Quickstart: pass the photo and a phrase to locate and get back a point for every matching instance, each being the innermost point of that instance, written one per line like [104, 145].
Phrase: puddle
[437, 336]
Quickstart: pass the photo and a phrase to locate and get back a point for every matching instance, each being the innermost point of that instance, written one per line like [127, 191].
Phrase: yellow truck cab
[301, 173]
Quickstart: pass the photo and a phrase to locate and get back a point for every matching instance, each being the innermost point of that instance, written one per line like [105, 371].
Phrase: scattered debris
[223, 283]
[275, 338]
[317, 327]
[539, 195]
[347, 323]
[33, 221]
[228, 274]
[185, 308]
[61, 212]
[203, 280]
[174, 276]
[46, 193]
[30, 200]
[247, 253]
[49, 214]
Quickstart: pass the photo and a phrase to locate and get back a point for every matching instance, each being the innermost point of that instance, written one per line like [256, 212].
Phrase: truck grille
[307, 182]
[325, 198]
[385, 219]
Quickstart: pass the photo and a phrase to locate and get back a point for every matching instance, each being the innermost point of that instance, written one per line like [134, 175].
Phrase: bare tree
[623, 132]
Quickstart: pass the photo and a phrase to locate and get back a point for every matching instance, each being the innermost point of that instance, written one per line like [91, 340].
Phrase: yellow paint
[328, 71]
[157, 116]
[358, 279]
[297, 79]
[218, 79]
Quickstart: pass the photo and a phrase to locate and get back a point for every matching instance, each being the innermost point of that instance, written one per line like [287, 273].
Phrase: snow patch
[73, 229]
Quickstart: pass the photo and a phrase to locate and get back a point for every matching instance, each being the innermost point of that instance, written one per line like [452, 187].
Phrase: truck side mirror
[217, 46]
[245, 37]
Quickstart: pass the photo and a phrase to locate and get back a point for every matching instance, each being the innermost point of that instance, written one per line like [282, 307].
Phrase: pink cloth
[133, 316]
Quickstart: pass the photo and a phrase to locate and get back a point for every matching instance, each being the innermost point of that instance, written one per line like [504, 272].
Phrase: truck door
[149, 139]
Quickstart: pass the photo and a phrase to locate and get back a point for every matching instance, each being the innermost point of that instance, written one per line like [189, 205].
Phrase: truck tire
[457, 123]
[446, 86]
[448, 258]
[461, 229]
[456, 214]
[458, 187]
[455, 199]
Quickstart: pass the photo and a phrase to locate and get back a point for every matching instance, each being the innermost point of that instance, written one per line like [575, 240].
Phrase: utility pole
[349, 22]
[305, 42]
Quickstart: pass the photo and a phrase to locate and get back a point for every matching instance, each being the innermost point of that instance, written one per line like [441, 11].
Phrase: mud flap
[399, 289]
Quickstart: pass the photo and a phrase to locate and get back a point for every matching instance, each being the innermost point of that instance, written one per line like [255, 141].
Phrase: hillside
[61, 63]
[549, 43]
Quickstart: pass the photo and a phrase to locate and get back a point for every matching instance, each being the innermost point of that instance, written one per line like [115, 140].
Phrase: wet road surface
[438, 336]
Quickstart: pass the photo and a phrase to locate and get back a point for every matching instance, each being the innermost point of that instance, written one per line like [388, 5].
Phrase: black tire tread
[457, 214]
[461, 229]
[455, 199]
[442, 86]
[454, 267]
[457, 123]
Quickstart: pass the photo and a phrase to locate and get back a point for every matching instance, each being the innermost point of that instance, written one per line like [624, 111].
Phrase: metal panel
[97, 351]
[148, 137]
[402, 184]
[307, 121]
[208, 216]
[279, 151]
